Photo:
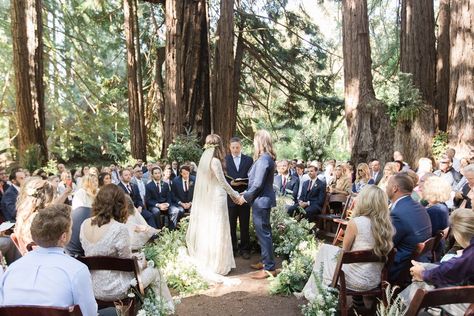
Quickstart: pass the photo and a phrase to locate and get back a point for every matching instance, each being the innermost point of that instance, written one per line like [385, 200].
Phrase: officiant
[237, 168]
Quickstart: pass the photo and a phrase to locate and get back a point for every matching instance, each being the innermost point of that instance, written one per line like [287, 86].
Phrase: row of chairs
[94, 264]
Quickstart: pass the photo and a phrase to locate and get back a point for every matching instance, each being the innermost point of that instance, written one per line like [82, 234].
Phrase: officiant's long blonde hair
[263, 144]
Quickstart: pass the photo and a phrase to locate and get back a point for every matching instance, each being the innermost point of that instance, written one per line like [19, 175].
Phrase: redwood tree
[136, 108]
[27, 34]
[461, 89]
[187, 96]
[417, 57]
[370, 133]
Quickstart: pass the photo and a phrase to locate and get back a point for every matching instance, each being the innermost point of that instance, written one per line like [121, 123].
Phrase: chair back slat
[441, 296]
[40, 311]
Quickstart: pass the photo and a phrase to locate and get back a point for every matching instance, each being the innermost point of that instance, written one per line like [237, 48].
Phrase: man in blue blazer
[158, 199]
[410, 220]
[285, 183]
[8, 203]
[183, 189]
[238, 166]
[261, 197]
[313, 193]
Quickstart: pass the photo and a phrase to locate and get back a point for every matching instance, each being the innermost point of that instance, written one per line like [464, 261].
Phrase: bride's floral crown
[207, 146]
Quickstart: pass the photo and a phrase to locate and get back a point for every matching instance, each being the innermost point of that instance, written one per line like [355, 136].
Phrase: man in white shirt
[47, 276]
[376, 173]
[138, 180]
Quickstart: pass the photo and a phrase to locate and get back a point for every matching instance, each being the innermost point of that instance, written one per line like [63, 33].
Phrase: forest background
[81, 81]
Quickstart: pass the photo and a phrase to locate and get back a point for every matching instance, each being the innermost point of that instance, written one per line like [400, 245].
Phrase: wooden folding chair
[115, 264]
[441, 296]
[361, 256]
[342, 222]
[40, 311]
[421, 249]
[326, 219]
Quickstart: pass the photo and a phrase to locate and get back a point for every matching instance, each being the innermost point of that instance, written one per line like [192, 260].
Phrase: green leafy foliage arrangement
[325, 302]
[440, 143]
[185, 148]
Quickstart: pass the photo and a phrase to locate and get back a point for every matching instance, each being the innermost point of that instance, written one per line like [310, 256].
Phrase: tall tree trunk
[417, 57]
[27, 34]
[239, 55]
[224, 111]
[442, 65]
[461, 90]
[187, 98]
[370, 133]
[136, 109]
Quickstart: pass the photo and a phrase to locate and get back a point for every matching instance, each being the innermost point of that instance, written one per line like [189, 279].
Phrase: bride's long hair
[214, 140]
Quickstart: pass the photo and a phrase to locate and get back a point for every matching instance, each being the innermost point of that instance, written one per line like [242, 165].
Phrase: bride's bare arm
[216, 167]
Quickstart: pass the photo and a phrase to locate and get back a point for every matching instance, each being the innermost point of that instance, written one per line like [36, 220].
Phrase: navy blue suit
[5, 187]
[8, 204]
[292, 184]
[261, 196]
[412, 225]
[315, 197]
[178, 192]
[137, 201]
[154, 196]
[242, 212]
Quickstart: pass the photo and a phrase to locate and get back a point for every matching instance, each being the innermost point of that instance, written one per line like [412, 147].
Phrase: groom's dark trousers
[261, 196]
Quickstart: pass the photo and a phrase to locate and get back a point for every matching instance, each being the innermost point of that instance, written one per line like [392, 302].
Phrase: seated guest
[138, 180]
[86, 194]
[340, 185]
[368, 229]
[436, 192]
[300, 173]
[3, 182]
[183, 189]
[389, 170]
[66, 184]
[105, 234]
[362, 178]
[415, 179]
[425, 165]
[398, 156]
[104, 179]
[46, 276]
[410, 219]
[464, 198]
[447, 172]
[456, 271]
[158, 199]
[35, 194]
[131, 189]
[79, 215]
[283, 182]
[139, 230]
[312, 196]
[167, 173]
[376, 173]
[8, 203]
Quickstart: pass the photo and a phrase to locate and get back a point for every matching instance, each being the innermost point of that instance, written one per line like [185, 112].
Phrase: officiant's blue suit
[261, 196]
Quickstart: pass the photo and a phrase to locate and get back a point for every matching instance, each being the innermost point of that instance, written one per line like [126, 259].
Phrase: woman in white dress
[370, 228]
[105, 234]
[208, 237]
[86, 194]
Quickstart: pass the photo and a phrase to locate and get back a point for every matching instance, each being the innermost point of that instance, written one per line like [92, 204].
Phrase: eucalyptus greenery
[185, 148]
[326, 300]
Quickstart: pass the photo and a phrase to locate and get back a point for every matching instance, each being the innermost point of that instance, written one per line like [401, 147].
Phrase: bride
[208, 237]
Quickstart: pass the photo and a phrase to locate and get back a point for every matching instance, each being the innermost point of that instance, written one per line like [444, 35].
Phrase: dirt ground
[250, 297]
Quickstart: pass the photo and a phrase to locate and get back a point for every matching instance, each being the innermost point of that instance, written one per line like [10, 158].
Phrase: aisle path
[250, 297]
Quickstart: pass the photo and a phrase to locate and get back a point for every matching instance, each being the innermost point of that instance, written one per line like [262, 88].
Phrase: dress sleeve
[122, 242]
[216, 167]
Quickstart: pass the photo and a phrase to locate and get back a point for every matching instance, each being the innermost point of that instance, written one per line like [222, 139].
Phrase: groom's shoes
[263, 274]
[257, 266]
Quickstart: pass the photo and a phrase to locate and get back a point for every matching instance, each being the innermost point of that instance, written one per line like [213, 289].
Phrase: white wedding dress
[208, 237]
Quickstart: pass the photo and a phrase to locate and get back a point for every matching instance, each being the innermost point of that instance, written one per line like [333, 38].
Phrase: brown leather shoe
[263, 274]
[257, 266]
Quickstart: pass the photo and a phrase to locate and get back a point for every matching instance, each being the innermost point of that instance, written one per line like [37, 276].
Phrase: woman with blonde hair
[389, 170]
[208, 236]
[35, 194]
[362, 178]
[369, 229]
[86, 194]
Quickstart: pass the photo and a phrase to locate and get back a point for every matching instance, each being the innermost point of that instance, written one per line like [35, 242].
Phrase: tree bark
[224, 109]
[27, 35]
[370, 133]
[136, 109]
[461, 90]
[187, 98]
[442, 65]
[417, 56]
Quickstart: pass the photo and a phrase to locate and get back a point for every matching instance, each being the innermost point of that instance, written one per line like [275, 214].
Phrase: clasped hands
[239, 200]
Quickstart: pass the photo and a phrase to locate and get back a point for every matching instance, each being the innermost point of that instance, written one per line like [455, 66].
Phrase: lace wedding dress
[208, 237]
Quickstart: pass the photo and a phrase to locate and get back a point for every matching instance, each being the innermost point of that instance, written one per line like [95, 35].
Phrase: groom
[261, 196]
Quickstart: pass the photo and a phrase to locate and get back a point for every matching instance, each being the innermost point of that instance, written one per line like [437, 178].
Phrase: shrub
[185, 148]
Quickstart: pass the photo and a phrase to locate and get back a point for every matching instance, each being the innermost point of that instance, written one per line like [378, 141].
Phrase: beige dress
[359, 276]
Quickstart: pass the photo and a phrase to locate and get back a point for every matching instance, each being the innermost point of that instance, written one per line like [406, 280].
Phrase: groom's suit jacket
[243, 172]
[260, 192]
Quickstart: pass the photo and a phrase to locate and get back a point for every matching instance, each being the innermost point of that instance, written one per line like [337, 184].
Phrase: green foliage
[326, 301]
[32, 157]
[169, 254]
[51, 166]
[185, 148]
[395, 306]
[403, 99]
[440, 143]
